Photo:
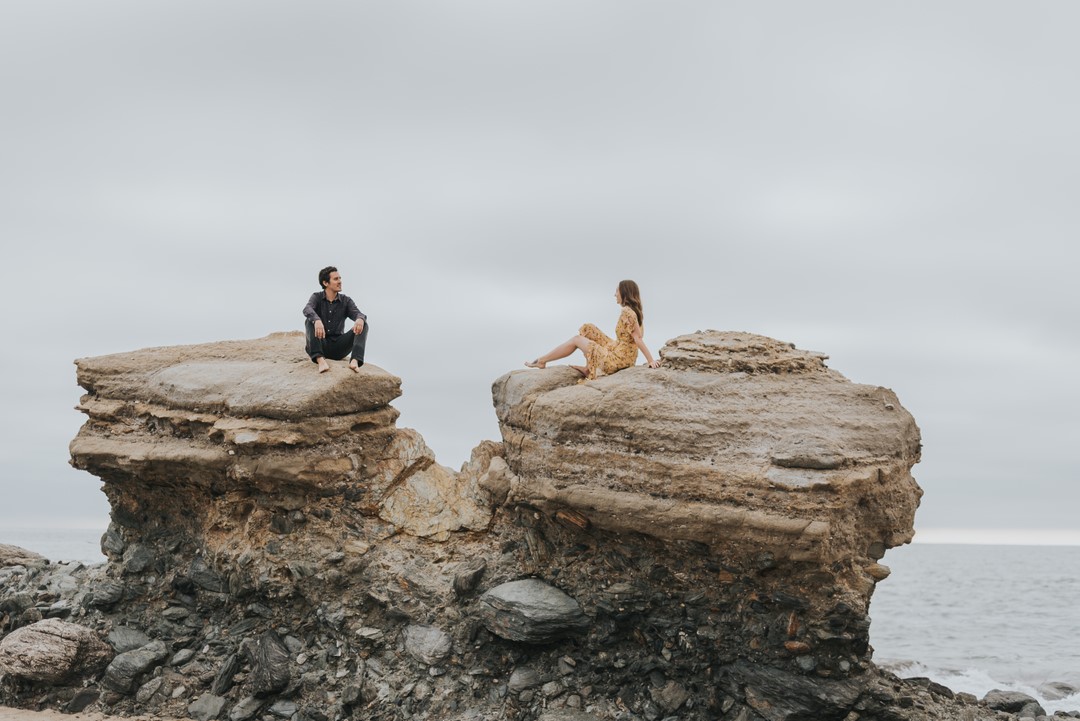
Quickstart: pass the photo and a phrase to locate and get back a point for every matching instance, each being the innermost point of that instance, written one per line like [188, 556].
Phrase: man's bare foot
[323, 365]
[535, 364]
[354, 366]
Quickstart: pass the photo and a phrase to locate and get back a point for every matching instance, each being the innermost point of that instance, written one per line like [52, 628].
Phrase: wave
[979, 682]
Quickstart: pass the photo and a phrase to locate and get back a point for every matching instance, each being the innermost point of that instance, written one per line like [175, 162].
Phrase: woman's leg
[562, 351]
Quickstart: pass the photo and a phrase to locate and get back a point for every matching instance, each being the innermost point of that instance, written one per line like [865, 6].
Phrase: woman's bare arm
[640, 343]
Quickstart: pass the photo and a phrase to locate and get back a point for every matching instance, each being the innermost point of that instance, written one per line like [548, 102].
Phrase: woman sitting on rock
[604, 356]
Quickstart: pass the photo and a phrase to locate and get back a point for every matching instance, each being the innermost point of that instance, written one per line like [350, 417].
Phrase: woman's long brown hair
[631, 296]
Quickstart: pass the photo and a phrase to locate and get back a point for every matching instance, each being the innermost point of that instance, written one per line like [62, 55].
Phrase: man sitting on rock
[325, 315]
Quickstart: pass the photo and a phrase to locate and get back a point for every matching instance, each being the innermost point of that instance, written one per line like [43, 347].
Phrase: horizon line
[997, 536]
[923, 536]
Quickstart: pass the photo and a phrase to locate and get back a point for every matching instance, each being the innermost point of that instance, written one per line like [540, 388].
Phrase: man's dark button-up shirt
[332, 313]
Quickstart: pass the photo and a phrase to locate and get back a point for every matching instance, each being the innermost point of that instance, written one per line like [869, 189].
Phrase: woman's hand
[654, 364]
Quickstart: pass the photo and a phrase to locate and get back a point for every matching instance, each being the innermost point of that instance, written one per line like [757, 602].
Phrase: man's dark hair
[324, 275]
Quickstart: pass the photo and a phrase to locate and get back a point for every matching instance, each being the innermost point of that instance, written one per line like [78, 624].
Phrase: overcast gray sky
[893, 184]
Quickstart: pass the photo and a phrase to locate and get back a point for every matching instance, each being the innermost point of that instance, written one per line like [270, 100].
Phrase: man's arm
[313, 317]
[309, 309]
[353, 313]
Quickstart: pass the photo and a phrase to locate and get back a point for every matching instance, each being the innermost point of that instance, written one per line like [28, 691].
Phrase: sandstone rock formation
[241, 438]
[15, 556]
[738, 439]
[739, 442]
[699, 541]
[52, 651]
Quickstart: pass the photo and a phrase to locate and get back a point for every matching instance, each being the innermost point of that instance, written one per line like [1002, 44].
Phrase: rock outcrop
[52, 651]
[15, 556]
[240, 450]
[699, 541]
[738, 440]
[741, 443]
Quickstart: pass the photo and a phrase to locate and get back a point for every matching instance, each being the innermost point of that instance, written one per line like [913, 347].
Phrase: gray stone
[112, 543]
[269, 661]
[16, 603]
[262, 610]
[779, 695]
[29, 616]
[137, 559]
[283, 709]
[52, 651]
[669, 697]
[125, 638]
[246, 709]
[427, 644]
[175, 613]
[205, 578]
[351, 695]
[60, 609]
[223, 680]
[552, 689]
[532, 611]
[1032, 710]
[1012, 702]
[81, 700]
[524, 677]
[150, 689]
[182, 656]
[206, 707]
[107, 593]
[121, 674]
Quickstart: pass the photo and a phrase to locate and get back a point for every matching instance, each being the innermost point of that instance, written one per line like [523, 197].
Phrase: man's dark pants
[338, 347]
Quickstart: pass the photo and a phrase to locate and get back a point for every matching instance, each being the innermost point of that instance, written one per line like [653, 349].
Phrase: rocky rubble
[695, 542]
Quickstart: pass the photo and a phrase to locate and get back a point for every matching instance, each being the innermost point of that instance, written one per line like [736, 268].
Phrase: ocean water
[975, 618]
[972, 617]
[58, 544]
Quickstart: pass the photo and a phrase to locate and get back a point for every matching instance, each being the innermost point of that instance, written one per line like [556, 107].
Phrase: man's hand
[320, 331]
[359, 327]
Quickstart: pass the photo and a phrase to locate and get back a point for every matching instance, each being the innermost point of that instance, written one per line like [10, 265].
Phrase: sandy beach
[18, 714]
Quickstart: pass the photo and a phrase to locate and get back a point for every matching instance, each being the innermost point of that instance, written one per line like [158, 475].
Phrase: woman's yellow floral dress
[606, 355]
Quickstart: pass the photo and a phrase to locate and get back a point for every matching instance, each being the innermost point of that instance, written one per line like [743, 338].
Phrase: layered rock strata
[696, 542]
[231, 446]
[738, 440]
[743, 444]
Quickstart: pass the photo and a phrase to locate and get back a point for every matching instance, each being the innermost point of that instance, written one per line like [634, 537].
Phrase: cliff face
[231, 446]
[698, 541]
[739, 442]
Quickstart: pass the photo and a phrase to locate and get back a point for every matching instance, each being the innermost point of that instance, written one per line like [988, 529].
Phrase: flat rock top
[16, 556]
[270, 377]
[738, 352]
[738, 402]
